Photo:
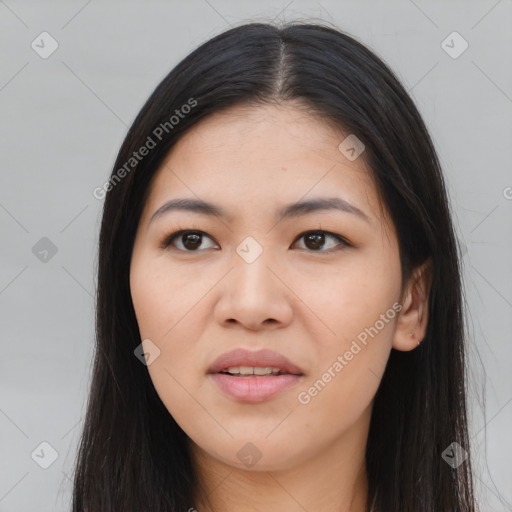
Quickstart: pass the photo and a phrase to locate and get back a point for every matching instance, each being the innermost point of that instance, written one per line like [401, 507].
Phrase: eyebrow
[292, 210]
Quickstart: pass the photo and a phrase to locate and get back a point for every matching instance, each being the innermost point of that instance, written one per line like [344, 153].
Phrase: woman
[279, 312]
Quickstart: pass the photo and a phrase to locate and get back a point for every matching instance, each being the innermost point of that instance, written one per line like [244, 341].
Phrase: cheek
[166, 304]
[347, 378]
[358, 309]
[346, 300]
[177, 379]
[162, 297]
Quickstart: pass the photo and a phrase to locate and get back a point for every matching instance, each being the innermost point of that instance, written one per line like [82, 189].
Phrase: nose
[255, 295]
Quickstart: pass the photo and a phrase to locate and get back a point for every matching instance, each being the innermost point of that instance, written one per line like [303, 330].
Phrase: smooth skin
[198, 298]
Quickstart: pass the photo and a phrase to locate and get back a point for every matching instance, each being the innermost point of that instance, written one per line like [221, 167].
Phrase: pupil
[317, 239]
[191, 240]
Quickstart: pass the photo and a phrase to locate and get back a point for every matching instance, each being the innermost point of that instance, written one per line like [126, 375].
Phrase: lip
[262, 357]
[254, 389]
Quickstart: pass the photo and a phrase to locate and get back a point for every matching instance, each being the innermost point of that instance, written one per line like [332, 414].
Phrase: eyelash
[169, 239]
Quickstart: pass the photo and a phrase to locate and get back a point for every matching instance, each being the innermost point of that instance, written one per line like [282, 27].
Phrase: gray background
[63, 120]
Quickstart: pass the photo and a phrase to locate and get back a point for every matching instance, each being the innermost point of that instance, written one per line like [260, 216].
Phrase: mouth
[248, 376]
[242, 362]
[255, 371]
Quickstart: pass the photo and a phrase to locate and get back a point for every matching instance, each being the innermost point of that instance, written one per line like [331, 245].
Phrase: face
[319, 286]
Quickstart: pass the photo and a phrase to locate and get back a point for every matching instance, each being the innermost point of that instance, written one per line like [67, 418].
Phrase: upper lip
[261, 358]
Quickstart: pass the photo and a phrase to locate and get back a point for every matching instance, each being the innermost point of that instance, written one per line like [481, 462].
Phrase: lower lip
[254, 389]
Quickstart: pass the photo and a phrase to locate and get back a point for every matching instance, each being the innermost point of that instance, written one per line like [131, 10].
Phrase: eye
[314, 240]
[187, 240]
[190, 240]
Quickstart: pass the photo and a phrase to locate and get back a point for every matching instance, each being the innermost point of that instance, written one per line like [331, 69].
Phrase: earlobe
[413, 319]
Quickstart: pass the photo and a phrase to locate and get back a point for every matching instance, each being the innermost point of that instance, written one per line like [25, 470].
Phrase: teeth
[252, 370]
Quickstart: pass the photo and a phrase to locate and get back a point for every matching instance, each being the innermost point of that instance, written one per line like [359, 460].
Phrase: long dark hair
[132, 455]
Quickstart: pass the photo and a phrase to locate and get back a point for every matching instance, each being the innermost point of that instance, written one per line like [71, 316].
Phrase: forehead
[254, 158]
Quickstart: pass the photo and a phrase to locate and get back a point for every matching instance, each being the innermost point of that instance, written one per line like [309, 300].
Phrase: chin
[256, 455]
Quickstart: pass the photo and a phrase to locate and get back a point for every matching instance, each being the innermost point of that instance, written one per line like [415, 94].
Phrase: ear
[412, 321]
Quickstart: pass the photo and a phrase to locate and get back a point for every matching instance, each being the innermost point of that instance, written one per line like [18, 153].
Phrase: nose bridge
[254, 293]
[252, 264]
